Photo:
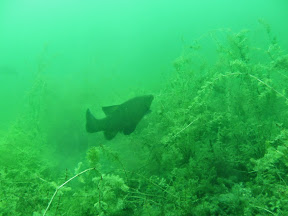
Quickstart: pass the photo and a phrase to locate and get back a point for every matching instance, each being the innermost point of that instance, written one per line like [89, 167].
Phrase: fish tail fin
[92, 124]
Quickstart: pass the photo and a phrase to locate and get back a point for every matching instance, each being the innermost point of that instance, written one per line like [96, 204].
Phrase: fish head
[147, 101]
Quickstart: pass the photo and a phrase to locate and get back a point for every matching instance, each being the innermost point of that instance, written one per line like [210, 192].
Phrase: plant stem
[57, 189]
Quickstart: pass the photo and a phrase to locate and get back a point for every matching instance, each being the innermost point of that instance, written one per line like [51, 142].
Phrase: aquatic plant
[223, 122]
[215, 144]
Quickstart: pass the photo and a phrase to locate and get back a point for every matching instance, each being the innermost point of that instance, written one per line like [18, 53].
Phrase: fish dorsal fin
[108, 110]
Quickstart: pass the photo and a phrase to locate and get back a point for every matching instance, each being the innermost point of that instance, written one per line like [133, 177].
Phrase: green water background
[61, 58]
[115, 47]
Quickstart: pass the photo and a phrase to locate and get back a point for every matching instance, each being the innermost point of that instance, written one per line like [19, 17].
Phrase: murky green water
[214, 143]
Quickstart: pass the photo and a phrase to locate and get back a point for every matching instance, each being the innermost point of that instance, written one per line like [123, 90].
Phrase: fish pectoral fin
[109, 135]
[129, 130]
[108, 110]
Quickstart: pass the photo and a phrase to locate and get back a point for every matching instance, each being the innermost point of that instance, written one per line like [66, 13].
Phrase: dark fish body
[120, 118]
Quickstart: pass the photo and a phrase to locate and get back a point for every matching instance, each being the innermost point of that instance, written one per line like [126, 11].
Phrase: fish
[121, 118]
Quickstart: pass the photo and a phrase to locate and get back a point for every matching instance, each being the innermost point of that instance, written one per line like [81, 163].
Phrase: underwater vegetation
[216, 144]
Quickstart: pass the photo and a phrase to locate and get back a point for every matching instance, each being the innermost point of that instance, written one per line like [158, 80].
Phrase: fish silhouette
[120, 118]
